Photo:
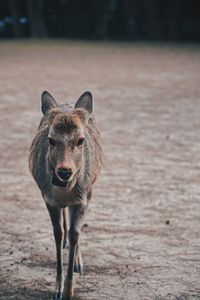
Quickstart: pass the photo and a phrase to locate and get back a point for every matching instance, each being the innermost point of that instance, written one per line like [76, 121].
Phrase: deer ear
[86, 102]
[47, 102]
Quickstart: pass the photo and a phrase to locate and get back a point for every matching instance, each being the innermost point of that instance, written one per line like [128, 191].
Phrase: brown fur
[65, 126]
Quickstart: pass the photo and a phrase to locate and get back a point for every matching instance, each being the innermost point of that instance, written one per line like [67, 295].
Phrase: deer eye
[80, 141]
[51, 142]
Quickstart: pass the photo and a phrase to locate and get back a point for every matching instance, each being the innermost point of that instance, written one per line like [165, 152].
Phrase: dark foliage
[101, 19]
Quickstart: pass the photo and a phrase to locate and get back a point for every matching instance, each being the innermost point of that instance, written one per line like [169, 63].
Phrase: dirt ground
[142, 235]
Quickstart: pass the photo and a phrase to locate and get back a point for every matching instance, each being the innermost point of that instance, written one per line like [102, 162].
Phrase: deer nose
[64, 173]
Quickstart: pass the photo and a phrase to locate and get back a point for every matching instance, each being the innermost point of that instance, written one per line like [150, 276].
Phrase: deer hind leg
[65, 241]
[57, 222]
[78, 262]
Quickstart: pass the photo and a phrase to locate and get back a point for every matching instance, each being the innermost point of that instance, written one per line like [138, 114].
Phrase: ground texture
[141, 238]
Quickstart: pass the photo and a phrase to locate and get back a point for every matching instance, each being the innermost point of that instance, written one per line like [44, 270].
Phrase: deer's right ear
[47, 102]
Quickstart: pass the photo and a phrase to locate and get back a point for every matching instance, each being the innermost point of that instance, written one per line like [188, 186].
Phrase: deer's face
[66, 143]
[66, 136]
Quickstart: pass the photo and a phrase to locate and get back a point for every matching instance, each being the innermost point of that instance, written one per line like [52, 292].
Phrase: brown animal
[65, 160]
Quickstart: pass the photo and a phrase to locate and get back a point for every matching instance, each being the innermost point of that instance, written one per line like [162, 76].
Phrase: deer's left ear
[85, 102]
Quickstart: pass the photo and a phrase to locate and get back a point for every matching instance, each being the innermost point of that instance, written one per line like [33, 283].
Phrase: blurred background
[105, 19]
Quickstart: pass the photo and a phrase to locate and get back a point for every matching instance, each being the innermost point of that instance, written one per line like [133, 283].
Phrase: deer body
[65, 160]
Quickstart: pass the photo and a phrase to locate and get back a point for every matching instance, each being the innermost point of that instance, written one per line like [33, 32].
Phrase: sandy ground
[142, 239]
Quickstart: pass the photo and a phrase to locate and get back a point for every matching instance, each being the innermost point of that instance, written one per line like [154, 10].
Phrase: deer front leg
[57, 222]
[77, 213]
[65, 241]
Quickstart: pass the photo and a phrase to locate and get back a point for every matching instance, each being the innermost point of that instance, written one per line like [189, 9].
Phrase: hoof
[78, 268]
[68, 291]
[68, 298]
[65, 244]
[58, 296]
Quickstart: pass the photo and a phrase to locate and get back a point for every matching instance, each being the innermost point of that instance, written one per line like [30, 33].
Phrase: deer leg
[77, 213]
[57, 222]
[65, 241]
[78, 263]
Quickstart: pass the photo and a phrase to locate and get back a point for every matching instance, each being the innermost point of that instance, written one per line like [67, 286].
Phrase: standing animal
[65, 160]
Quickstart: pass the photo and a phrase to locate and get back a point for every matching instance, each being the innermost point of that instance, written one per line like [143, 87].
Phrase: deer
[65, 160]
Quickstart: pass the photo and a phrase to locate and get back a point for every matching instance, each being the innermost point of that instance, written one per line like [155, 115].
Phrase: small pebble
[167, 222]
[85, 225]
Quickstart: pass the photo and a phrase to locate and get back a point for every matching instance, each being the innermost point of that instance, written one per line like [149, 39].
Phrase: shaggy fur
[56, 146]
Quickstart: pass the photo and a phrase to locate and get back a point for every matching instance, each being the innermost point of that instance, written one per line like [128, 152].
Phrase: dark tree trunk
[174, 22]
[153, 24]
[101, 15]
[130, 15]
[36, 15]
[14, 10]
